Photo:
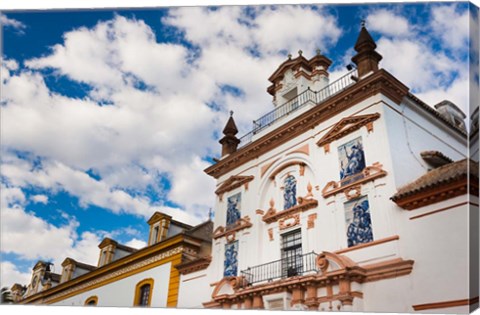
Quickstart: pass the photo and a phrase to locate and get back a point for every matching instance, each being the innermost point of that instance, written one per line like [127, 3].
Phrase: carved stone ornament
[270, 234]
[353, 192]
[241, 224]
[289, 221]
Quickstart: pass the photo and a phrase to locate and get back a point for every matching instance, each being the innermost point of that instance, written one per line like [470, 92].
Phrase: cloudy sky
[110, 115]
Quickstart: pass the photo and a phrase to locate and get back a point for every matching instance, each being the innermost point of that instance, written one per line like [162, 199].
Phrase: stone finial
[289, 56]
[319, 51]
[367, 58]
[229, 142]
[272, 203]
[300, 52]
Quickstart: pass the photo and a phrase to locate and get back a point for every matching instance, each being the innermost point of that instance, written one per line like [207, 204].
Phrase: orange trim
[138, 287]
[445, 304]
[201, 276]
[93, 298]
[439, 210]
[360, 246]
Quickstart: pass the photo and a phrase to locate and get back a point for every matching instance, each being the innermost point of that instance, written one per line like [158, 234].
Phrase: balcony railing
[308, 96]
[282, 268]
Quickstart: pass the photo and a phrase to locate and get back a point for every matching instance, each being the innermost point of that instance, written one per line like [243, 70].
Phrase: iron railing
[282, 268]
[308, 96]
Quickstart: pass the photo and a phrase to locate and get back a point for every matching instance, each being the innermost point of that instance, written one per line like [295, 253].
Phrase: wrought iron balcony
[282, 268]
[302, 99]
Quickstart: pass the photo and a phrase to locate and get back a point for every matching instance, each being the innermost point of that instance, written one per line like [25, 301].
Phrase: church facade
[351, 195]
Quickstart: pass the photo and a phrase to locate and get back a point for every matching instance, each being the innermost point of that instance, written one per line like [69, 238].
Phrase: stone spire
[367, 58]
[229, 142]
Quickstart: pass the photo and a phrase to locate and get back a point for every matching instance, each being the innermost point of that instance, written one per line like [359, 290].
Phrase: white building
[125, 276]
[351, 195]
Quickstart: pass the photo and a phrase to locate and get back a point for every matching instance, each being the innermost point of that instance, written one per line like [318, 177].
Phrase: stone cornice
[379, 82]
[193, 266]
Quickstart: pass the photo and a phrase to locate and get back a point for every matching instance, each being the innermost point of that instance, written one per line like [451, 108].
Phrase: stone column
[298, 297]
[248, 303]
[311, 300]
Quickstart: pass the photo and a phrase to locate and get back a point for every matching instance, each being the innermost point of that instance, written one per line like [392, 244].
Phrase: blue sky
[110, 115]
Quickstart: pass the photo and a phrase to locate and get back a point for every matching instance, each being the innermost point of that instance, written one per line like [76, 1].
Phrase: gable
[346, 126]
[232, 183]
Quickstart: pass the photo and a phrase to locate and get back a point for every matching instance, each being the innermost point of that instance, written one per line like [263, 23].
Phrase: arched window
[289, 192]
[143, 293]
[91, 301]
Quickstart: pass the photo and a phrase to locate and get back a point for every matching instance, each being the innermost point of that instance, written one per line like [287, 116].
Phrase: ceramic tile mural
[358, 222]
[290, 192]
[352, 158]
[231, 259]
[233, 208]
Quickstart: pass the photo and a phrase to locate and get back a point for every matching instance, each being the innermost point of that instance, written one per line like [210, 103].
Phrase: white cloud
[410, 52]
[40, 199]
[7, 22]
[148, 134]
[136, 243]
[31, 238]
[451, 25]
[11, 196]
[11, 275]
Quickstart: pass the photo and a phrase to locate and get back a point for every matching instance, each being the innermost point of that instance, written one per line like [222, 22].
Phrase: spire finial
[319, 51]
[300, 52]
[362, 23]
[231, 113]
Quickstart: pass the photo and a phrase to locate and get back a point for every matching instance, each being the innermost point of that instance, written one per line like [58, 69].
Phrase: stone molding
[273, 216]
[369, 173]
[232, 183]
[229, 231]
[346, 126]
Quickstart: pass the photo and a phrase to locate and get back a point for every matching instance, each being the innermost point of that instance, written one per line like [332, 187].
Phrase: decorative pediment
[229, 231]
[157, 216]
[304, 203]
[346, 126]
[351, 186]
[232, 183]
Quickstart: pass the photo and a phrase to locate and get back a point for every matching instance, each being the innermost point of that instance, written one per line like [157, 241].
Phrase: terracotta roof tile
[438, 176]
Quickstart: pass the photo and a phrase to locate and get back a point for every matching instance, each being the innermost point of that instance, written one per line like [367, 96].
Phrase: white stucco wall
[433, 242]
[194, 290]
[121, 293]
